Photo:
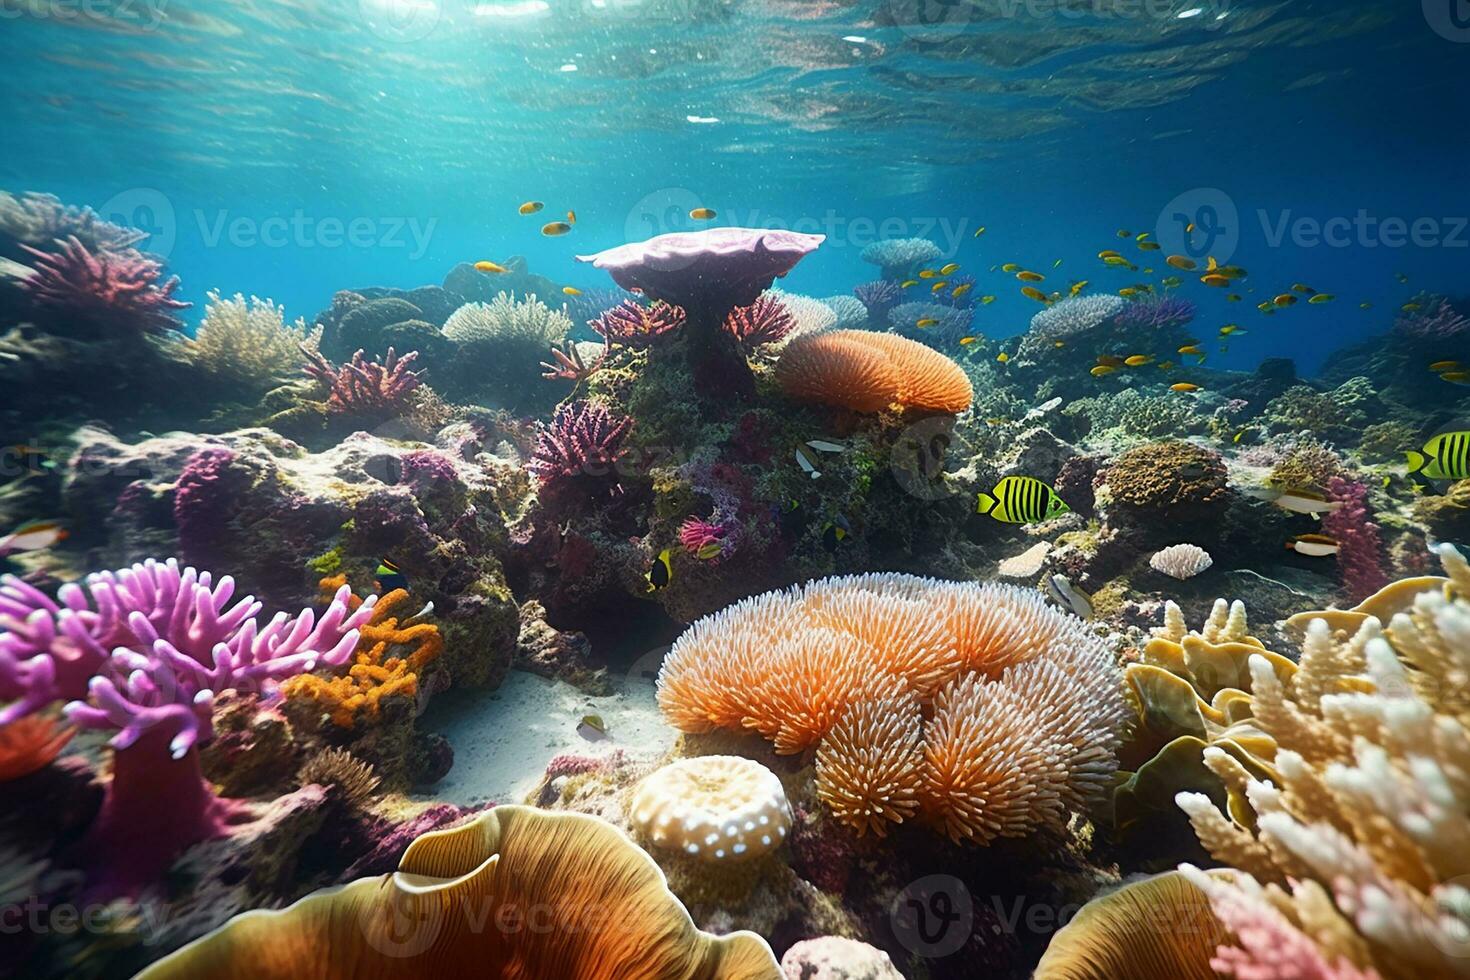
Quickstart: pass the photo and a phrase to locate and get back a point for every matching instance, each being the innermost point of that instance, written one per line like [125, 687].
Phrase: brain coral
[976, 707]
[716, 807]
[868, 372]
[460, 906]
[1168, 479]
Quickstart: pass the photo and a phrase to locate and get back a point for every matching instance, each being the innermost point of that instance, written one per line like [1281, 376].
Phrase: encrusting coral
[374, 675]
[1026, 708]
[714, 807]
[516, 893]
[250, 343]
[869, 372]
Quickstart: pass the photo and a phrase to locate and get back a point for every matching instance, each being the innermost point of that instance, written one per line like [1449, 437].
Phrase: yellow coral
[373, 675]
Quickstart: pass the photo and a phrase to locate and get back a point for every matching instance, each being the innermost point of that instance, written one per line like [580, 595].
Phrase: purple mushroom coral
[709, 273]
[144, 651]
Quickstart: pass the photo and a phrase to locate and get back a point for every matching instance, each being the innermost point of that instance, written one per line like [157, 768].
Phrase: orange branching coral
[30, 744]
[374, 675]
[868, 372]
[1024, 707]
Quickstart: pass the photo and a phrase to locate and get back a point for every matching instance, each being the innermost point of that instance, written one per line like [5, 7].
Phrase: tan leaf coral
[868, 372]
[518, 893]
[1024, 706]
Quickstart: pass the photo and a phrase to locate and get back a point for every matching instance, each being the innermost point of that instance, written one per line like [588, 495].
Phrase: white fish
[1043, 408]
[428, 610]
[823, 446]
[1305, 503]
[1068, 596]
[806, 465]
[1313, 546]
[32, 536]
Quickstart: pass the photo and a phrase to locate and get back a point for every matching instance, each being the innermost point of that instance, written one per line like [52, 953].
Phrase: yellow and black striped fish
[1021, 500]
[1445, 457]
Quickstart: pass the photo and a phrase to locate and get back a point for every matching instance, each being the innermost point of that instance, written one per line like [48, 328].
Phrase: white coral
[714, 807]
[1181, 561]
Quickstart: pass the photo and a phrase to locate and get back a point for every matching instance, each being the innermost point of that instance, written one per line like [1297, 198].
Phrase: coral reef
[850, 312]
[950, 324]
[878, 297]
[846, 664]
[80, 291]
[631, 324]
[765, 321]
[1158, 313]
[1435, 321]
[1360, 549]
[366, 391]
[499, 344]
[1070, 319]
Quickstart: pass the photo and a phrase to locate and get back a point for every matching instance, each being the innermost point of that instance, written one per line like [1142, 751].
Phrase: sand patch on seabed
[503, 739]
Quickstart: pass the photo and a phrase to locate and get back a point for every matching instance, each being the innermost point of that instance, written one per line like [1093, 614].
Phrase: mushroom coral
[975, 706]
[516, 893]
[708, 273]
[868, 372]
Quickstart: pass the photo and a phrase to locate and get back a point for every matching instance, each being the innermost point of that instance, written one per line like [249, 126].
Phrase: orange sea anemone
[868, 372]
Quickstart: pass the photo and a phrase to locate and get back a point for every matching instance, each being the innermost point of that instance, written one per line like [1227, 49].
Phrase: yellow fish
[571, 290]
[555, 228]
[1184, 386]
[979, 231]
[1059, 344]
[1211, 265]
[1077, 287]
[1031, 292]
[1411, 307]
[1128, 291]
[1189, 228]
[1321, 298]
[1182, 262]
[571, 217]
[1026, 276]
[1445, 457]
[1003, 357]
[531, 207]
[1214, 279]
[488, 266]
[1102, 370]
[962, 289]
[1166, 365]
[927, 273]
[1118, 260]
[1230, 329]
[986, 300]
[1439, 367]
[703, 214]
[1456, 377]
[949, 269]
[1021, 500]
[941, 284]
[1057, 264]
[1190, 349]
[1285, 299]
[927, 321]
[907, 283]
[1149, 246]
[1265, 307]
[1303, 288]
[1124, 234]
[1108, 253]
[1108, 360]
[1143, 236]
[1138, 360]
[1010, 267]
[1365, 305]
[662, 572]
[967, 341]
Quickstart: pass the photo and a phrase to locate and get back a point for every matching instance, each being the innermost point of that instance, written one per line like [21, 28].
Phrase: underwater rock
[1038, 453]
[836, 958]
[545, 650]
[470, 285]
[252, 752]
[278, 516]
[361, 327]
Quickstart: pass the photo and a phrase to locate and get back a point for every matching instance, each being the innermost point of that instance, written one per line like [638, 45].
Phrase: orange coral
[373, 675]
[867, 372]
[30, 744]
[1025, 707]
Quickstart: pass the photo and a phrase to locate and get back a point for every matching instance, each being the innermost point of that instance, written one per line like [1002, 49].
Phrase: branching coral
[868, 372]
[583, 442]
[1157, 313]
[249, 343]
[719, 808]
[1330, 415]
[1435, 321]
[604, 910]
[878, 297]
[363, 389]
[86, 291]
[950, 323]
[1025, 707]
[808, 315]
[635, 325]
[851, 313]
[374, 675]
[1360, 550]
[151, 646]
[765, 321]
[42, 220]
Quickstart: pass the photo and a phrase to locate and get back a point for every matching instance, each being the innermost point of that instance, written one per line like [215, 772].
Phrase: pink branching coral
[763, 322]
[102, 289]
[631, 324]
[1435, 320]
[1360, 550]
[584, 439]
[145, 650]
[364, 388]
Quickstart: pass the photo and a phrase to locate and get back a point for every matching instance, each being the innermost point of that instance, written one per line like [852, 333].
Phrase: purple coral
[149, 647]
[763, 322]
[584, 439]
[1436, 320]
[203, 496]
[102, 290]
[1359, 553]
[634, 325]
[366, 389]
[879, 296]
[1156, 313]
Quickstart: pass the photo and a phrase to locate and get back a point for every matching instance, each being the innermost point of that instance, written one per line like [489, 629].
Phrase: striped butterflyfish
[1021, 500]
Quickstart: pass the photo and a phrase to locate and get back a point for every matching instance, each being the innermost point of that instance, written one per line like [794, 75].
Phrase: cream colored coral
[1026, 565]
[249, 342]
[715, 807]
[1181, 561]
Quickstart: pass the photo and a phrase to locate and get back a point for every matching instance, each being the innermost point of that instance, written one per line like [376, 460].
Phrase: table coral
[374, 675]
[898, 256]
[718, 808]
[847, 665]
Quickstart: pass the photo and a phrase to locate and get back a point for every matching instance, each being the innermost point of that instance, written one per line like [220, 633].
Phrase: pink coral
[149, 647]
[1360, 550]
[363, 388]
[1437, 319]
[763, 322]
[584, 439]
[105, 289]
[695, 534]
[631, 324]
